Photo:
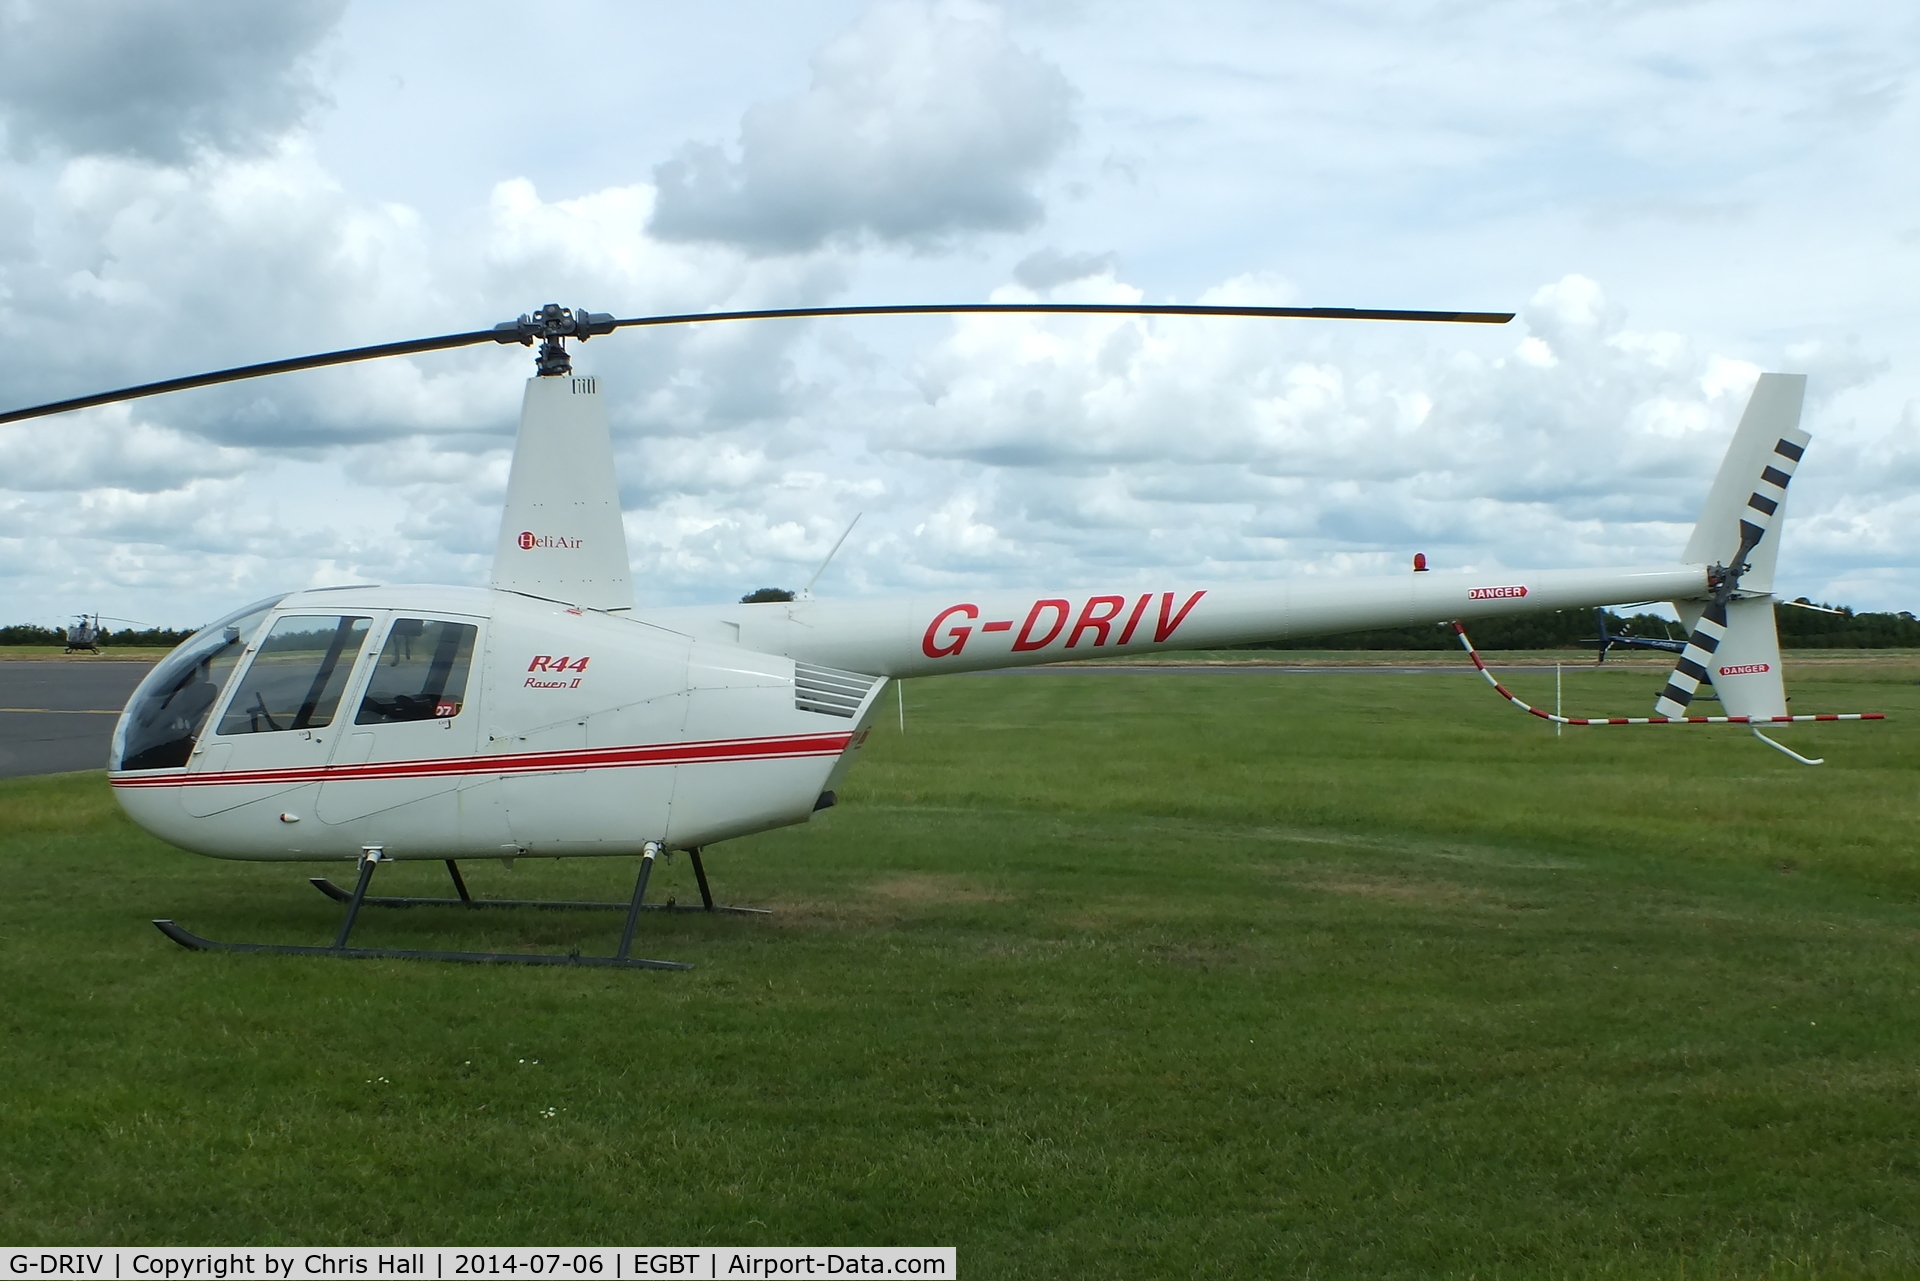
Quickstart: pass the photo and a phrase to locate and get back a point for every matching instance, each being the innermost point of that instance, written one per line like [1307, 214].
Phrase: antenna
[806, 593]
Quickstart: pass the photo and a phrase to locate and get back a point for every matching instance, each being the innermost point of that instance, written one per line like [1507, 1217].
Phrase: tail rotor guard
[1753, 722]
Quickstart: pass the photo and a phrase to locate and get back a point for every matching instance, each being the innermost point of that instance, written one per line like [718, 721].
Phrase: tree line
[1569, 628]
[1555, 629]
[30, 634]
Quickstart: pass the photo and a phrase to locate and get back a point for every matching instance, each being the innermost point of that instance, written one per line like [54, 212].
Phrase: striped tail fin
[1743, 509]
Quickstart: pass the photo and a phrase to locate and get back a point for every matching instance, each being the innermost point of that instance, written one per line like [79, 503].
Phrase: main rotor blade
[254, 371]
[506, 333]
[1081, 308]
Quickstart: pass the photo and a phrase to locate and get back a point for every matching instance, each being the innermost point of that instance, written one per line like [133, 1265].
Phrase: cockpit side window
[422, 672]
[297, 675]
[168, 711]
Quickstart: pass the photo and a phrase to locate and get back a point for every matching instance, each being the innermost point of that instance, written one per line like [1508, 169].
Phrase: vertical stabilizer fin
[1750, 488]
[1746, 668]
[561, 537]
[1734, 643]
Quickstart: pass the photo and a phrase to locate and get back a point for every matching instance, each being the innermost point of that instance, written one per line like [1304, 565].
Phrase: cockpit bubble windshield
[169, 709]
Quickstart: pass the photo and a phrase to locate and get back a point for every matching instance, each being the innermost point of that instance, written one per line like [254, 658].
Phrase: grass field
[1171, 975]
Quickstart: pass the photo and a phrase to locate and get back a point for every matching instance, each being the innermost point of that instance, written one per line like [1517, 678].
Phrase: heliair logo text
[529, 540]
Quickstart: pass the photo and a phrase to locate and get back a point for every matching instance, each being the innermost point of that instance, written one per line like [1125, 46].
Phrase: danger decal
[1746, 669]
[1497, 593]
[1096, 622]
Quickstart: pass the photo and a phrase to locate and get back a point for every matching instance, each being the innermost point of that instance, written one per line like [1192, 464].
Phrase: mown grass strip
[1161, 976]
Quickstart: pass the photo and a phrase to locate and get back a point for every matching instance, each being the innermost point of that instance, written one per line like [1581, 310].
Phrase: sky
[1674, 195]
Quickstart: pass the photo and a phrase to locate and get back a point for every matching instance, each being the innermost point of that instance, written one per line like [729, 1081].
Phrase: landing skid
[339, 895]
[193, 942]
[372, 858]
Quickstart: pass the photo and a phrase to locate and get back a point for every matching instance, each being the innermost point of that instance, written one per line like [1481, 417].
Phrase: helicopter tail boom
[930, 635]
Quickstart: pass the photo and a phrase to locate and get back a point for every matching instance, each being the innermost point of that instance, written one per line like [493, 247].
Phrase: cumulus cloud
[157, 79]
[1121, 441]
[988, 450]
[922, 122]
[151, 272]
[109, 447]
[392, 470]
[1043, 269]
[1109, 450]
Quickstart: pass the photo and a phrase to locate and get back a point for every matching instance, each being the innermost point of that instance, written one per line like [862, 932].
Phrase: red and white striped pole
[1751, 721]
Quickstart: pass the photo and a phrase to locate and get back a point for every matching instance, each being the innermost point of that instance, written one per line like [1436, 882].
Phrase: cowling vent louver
[829, 691]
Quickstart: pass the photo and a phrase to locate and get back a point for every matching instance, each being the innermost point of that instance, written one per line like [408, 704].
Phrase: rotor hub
[552, 325]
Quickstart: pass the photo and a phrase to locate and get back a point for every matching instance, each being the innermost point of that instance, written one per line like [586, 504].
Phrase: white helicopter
[546, 716]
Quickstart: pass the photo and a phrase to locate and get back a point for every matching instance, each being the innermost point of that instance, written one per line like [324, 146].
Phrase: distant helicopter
[84, 635]
[546, 716]
[1666, 644]
[1608, 640]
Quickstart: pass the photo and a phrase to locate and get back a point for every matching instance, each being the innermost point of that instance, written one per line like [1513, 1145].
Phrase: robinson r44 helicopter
[544, 715]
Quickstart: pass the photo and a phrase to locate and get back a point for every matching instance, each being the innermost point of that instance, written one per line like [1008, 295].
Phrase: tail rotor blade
[1684, 681]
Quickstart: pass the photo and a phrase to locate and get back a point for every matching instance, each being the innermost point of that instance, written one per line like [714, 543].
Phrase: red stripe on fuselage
[716, 750]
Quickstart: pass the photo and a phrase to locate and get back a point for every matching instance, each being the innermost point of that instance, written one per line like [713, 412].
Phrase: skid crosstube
[339, 895]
